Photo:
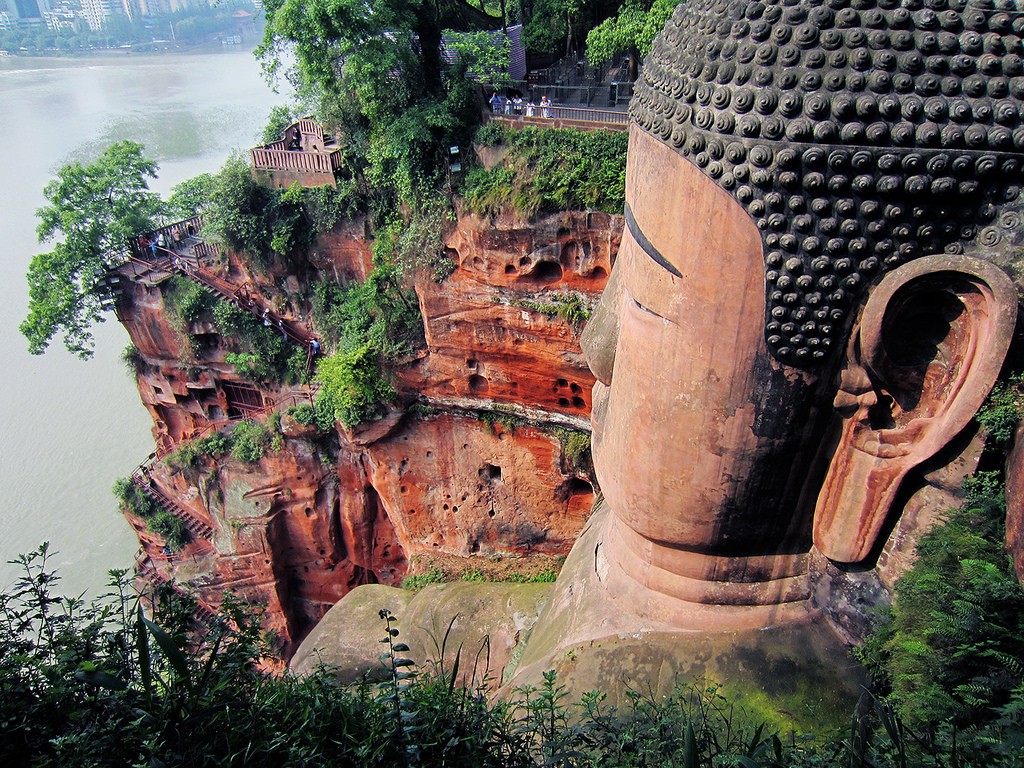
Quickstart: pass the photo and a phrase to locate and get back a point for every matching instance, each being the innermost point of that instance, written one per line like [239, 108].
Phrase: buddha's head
[818, 193]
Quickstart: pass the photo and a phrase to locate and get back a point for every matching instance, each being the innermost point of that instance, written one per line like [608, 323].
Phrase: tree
[631, 31]
[190, 196]
[97, 209]
[376, 70]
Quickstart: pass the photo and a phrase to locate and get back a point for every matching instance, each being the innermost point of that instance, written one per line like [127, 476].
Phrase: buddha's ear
[929, 346]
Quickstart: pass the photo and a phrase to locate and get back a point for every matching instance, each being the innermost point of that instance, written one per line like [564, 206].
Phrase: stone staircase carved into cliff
[147, 571]
[142, 481]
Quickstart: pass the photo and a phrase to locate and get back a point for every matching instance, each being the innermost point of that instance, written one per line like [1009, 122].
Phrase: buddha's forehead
[858, 134]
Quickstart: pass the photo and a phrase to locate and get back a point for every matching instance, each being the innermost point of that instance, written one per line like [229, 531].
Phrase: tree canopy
[96, 210]
[377, 70]
[631, 30]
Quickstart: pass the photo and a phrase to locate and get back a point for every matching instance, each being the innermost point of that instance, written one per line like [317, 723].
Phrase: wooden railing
[569, 117]
[295, 160]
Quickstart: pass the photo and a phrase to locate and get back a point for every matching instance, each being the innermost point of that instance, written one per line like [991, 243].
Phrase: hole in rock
[579, 402]
[578, 487]
[490, 472]
[477, 383]
[471, 363]
[561, 383]
[509, 269]
[309, 511]
[576, 388]
[564, 402]
[547, 272]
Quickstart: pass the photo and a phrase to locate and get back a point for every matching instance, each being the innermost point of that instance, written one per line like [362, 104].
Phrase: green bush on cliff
[353, 388]
[369, 327]
[157, 519]
[262, 353]
[1003, 410]
[548, 170]
[953, 648]
[250, 441]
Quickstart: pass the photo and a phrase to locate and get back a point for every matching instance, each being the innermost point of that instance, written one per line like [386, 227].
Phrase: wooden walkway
[580, 118]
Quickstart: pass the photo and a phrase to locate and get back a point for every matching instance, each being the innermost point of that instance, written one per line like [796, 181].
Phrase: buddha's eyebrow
[645, 245]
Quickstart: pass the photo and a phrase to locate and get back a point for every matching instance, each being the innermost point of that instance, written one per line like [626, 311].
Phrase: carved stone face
[702, 441]
[768, 197]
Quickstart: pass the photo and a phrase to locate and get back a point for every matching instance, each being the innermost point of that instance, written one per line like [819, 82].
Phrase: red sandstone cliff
[478, 468]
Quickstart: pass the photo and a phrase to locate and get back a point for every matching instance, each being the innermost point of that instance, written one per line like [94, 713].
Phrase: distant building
[28, 11]
[96, 12]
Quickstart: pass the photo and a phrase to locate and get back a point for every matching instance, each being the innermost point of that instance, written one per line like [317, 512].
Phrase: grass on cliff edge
[437, 568]
[547, 170]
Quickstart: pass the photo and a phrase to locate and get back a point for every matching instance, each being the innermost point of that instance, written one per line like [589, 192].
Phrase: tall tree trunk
[429, 34]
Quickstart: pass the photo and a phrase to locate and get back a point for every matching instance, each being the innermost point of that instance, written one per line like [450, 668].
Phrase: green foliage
[189, 455]
[485, 56]
[1003, 410]
[953, 649]
[172, 529]
[419, 243]
[304, 414]
[95, 210]
[548, 170]
[281, 116]
[190, 197]
[262, 354]
[103, 684]
[577, 446]
[326, 206]
[371, 326]
[571, 306]
[376, 72]
[134, 500]
[158, 520]
[632, 29]
[354, 389]
[186, 302]
[421, 580]
[133, 360]
[246, 216]
[250, 441]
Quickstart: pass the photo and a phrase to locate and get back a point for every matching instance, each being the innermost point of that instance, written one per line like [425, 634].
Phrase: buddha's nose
[598, 341]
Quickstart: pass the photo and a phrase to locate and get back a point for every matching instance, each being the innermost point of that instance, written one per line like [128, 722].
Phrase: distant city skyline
[66, 14]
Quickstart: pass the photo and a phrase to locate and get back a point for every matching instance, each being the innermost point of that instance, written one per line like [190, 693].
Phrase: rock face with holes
[474, 461]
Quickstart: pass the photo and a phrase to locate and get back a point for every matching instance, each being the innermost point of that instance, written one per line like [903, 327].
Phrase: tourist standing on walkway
[545, 106]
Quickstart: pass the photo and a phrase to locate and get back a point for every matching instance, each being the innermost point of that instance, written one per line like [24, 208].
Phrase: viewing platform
[305, 154]
[580, 118]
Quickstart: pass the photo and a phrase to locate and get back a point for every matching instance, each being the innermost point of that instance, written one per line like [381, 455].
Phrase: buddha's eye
[648, 310]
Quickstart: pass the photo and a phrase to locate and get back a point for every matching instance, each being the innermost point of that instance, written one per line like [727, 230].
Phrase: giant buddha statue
[811, 301]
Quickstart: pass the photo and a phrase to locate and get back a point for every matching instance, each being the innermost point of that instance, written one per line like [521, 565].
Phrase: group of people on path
[502, 105]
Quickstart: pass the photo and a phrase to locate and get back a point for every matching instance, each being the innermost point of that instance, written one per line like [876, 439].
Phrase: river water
[69, 428]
